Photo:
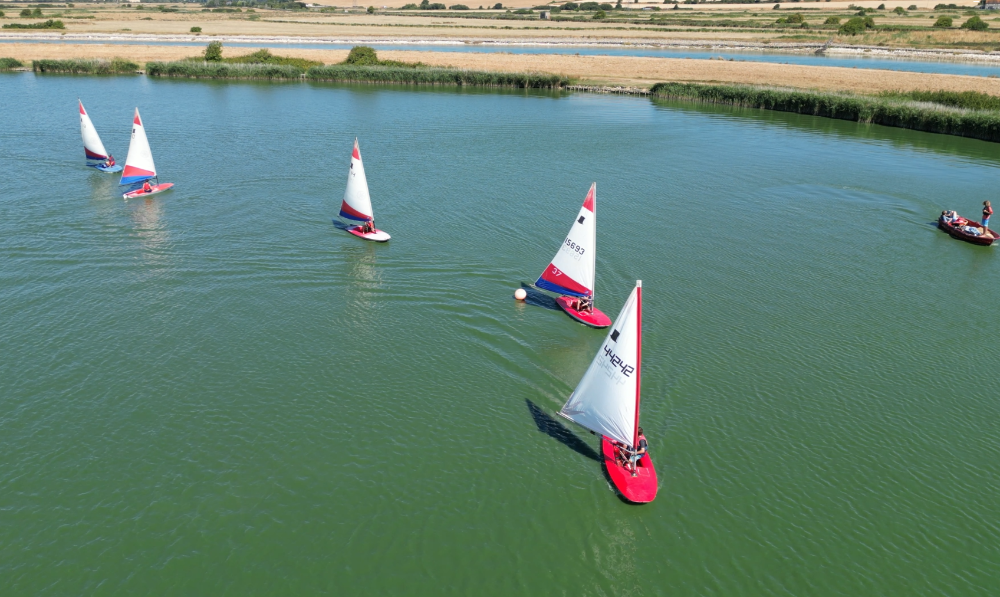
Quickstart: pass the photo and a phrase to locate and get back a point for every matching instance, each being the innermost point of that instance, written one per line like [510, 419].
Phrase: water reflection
[146, 216]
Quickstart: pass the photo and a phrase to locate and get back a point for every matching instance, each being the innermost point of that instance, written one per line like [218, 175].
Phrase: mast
[593, 254]
[638, 362]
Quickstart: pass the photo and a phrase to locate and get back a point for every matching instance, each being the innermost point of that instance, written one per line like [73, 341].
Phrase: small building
[990, 4]
[544, 14]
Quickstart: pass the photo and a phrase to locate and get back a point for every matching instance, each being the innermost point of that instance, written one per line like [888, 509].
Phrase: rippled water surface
[218, 392]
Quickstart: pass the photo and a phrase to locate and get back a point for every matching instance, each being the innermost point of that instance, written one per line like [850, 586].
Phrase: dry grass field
[603, 70]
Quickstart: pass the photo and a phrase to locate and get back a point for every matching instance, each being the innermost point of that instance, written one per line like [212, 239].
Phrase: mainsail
[606, 400]
[139, 163]
[572, 269]
[357, 203]
[92, 146]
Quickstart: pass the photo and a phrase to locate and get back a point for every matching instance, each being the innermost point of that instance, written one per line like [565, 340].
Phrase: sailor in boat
[146, 187]
[584, 304]
[987, 212]
[641, 449]
[109, 162]
[368, 227]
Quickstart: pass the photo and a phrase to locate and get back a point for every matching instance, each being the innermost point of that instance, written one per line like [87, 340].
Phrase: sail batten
[139, 164]
[606, 401]
[357, 204]
[571, 271]
[93, 149]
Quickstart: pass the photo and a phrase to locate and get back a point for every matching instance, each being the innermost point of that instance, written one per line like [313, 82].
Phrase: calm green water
[217, 392]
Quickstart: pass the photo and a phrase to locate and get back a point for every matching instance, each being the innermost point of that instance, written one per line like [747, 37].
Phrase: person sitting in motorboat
[146, 187]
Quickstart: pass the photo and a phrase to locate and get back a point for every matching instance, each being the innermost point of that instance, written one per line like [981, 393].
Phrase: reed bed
[9, 63]
[885, 110]
[115, 66]
[434, 76]
[222, 70]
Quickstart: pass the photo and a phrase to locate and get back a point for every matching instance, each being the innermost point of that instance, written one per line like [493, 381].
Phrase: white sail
[572, 269]
[357, 203]
[606, 400]
[139, 163]
[92, 146]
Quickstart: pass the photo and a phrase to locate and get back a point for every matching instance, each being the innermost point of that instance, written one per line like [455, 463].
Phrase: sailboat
[92, 146]
[606, 401]
[572, 271]
[139, 167]
[357, 203]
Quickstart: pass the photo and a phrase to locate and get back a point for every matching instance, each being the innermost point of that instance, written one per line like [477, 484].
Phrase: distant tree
[196, 30]
[975, 24]
[899, 10]
[600, 15]
[854, 26]
[26, 13]
[777, 7]
[832, 21]
[213, 53]
[881, 7]
[498, 6]
[943, 22]
[795, 18]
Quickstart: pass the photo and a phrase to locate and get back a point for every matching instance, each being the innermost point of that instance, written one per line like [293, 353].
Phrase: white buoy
[520, 294]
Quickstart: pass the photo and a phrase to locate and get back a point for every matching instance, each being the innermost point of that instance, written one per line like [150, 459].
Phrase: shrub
[970, 100]
[946, 7]
[9, 63]
[943, 22]
[410, 7]
[436, 6]
[776, 7]
[854, 26]
[26, 13]
[196, 30]
[524, 11]
[911, 7]
[498, 6]
[371, 10]
[975, 24]
[590, 6]
[899, 10]
[881, 7]
[37, 13]
[213, 52]
[571, 6]
[606, 6]
[50, 24]
[362, 56]
[264, 56]
[832, 21]
[600, 15]
[795, 18]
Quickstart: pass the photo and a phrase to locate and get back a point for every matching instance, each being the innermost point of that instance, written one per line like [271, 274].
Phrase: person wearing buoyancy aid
[585, 304]
[641, 448]
[987, 212]
[146, 187]
[110, 161]
[368, 227]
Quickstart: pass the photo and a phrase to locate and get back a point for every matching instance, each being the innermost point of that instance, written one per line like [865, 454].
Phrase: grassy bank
[889, 110]
[9, 63]
[222, 70]
[434, 76]
[115, 66]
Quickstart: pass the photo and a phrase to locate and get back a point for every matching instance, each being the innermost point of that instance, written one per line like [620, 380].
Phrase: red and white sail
[571, 271]
[139, 163]
[92, 146]
[606, 400]
[357, 203]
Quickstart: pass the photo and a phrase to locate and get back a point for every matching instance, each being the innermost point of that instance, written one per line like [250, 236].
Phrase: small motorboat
[963, 232]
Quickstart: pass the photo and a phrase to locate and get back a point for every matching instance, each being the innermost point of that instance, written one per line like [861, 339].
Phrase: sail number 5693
[574, 247]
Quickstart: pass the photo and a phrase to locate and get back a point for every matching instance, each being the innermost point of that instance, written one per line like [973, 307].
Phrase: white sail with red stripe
[606, 400]
[571, 271]
[92, 146]
[139, 163]
[357, 203]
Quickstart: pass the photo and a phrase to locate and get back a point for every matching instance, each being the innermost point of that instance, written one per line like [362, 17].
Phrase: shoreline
[795, 48]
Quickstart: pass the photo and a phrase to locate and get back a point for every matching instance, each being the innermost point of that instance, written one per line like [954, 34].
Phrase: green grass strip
[434, 76]
[115, 66]
[222, 70]
[49, 24]
[884, 110]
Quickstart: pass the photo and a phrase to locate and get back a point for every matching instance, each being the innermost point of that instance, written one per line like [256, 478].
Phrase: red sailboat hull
[640, 489]
[157, 188]
[377, 236]
[594, 318]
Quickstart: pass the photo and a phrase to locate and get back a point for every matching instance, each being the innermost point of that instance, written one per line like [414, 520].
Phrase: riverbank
[589, 70]
[967, 55]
